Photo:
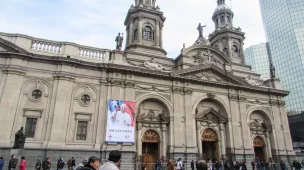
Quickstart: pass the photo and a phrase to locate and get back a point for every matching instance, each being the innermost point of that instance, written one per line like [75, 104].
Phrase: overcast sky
[97, 22]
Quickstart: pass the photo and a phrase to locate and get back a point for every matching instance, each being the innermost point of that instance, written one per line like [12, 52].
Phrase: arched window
[136, 34]
[147, 33]
[228, 19]
[235, 51]
[222, 20]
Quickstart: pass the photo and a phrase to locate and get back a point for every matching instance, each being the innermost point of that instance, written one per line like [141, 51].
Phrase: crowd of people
[114, 161]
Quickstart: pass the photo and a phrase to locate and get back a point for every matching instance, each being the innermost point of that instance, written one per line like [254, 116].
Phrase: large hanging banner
[120, 122]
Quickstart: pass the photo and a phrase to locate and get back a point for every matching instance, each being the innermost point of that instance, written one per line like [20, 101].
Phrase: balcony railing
[58, 48]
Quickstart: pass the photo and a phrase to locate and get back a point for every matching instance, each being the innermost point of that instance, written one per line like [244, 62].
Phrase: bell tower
[144, 26]
[227, 38]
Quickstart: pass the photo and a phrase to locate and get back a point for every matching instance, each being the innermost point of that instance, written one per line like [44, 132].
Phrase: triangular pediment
[209, 73]
[211, 115]
[7, 46]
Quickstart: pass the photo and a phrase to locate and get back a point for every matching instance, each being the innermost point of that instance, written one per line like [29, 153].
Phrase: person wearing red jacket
[22, 165]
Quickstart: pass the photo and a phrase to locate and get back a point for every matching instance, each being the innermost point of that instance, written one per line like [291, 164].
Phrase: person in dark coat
[38, 165]
[73, 164]
[253, 165]
[192, 165]
[298, 165]
[282, 165]
[218, 165]
[46, 164]
[243, 165]
[12, 163]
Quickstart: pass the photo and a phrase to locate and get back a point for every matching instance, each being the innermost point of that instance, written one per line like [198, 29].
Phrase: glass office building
[257, 57]
[284, 26]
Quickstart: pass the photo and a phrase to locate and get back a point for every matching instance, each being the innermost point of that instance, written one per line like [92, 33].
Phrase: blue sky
[97, 22]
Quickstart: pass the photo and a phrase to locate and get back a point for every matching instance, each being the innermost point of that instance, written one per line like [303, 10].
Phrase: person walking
[46, 164]
[243, 165]
[179, 164]
[298, 165]
[282, 165]
[61, 164]
[192, 165]
[253, 165]
[38, 165]
[12, 163]
[170, 165]
[73, 163]
[218, 166]
[210, 164]
[113, 161]
[1, 163]
[22, 165]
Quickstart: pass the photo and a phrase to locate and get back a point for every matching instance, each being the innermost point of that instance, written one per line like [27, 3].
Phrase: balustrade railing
[46, 46]
[92, 53]
[50, 47]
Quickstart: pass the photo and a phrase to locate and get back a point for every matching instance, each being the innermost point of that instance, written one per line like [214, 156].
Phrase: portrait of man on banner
[120, 124]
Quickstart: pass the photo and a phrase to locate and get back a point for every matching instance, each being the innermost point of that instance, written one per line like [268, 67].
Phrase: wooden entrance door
[150, 155]
[210, 145]
[259, 147]
[150, 149]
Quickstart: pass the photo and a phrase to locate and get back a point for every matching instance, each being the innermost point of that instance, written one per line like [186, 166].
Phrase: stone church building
[205, 103]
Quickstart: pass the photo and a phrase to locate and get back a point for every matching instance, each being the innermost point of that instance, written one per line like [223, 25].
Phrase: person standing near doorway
[253, 165]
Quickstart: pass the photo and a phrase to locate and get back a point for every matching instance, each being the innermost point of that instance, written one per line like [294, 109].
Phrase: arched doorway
[259, 149]
[210, 145]
[150, 149]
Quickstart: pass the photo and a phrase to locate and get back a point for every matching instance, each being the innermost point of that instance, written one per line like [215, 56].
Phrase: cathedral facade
[205, 103]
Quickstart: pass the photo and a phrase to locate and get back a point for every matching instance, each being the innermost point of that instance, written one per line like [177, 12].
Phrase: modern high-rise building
[257, 57]
[284, 26]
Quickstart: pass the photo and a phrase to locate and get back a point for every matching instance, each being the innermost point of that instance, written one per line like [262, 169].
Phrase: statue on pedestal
[20, 137]
[119, 40]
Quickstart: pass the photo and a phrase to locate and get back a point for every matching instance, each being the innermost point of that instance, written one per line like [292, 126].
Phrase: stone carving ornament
[209, 135]
[258, 142]
[151, 64]
[254, 81]
[205, 57]
[150, 136]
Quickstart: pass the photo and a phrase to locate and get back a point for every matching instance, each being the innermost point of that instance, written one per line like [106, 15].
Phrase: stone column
[222, 128]
[157, 34]
[161, 37]
[171, 132]
[164, 130]
[229, 47]
[268, 145]
[139, 137]
[199, 141]
[140, 31]
[131, 32]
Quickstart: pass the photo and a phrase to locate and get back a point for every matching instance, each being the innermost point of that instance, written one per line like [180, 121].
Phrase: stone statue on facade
[200, 29]
[20, 137]
[272, 71]
[119, 40]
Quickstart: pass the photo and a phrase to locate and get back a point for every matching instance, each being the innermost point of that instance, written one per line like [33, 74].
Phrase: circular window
[85, 99]
[36, 94]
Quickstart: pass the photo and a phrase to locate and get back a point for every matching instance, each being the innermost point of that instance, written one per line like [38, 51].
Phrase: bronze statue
[20, 137]
[119, 40]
